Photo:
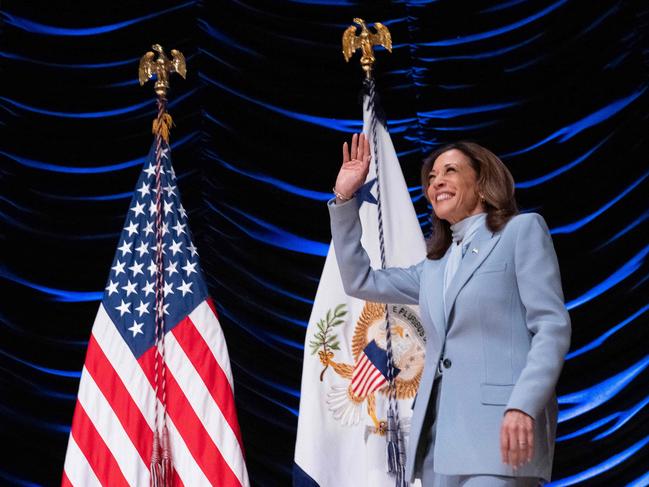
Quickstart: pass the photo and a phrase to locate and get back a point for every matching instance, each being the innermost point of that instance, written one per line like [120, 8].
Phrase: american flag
[371, 371]
[114, 420]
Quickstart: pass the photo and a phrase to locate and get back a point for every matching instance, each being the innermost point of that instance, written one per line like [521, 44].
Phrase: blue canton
[129, 298]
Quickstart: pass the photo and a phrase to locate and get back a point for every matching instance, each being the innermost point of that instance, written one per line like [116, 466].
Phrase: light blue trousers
[440, 480]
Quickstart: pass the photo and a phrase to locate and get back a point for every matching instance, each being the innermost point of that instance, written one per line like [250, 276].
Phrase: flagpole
[161, 467]
[365, 42]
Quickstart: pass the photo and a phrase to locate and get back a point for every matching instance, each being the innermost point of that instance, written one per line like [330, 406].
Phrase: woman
[492, 305]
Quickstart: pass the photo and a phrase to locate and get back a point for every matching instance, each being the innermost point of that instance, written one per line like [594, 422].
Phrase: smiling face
[452, 187]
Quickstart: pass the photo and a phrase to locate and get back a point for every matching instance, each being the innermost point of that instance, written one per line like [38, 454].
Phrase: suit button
[447, 363]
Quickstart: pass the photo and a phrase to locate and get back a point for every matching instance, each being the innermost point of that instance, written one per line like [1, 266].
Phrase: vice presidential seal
[368, 375]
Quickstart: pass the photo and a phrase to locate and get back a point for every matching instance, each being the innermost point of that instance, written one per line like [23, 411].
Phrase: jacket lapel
[481, 245]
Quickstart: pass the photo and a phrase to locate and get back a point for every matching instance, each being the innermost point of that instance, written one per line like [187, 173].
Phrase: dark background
[557, 89]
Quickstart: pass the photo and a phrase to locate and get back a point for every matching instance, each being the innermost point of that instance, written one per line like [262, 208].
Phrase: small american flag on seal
[371, 371]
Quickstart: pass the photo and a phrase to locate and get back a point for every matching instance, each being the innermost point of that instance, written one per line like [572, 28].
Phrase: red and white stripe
[111, 438]
[366, 378]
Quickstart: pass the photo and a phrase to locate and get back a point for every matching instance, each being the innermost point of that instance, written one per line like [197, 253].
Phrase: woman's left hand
[517, 438]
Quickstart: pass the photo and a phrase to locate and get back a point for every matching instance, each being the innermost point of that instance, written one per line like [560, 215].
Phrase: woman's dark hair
[494, 183]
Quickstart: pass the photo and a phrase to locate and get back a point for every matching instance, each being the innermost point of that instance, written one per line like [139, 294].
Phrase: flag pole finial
[365, 41]
[162, 67]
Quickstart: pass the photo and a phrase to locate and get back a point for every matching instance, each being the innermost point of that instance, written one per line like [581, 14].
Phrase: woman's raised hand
[355, 167]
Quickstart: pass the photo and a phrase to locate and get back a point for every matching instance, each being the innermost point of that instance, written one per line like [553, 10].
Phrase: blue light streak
[101, 114]
[626, 229]
[106, 197]
[277, 183]
[639, 283]
[618, 276]
[571, 227]
[38, 28]
[606, 335]
[45, 166]
[340, 125]
[56, 372]
[264, 283]
[30, 420]
[269, 234]
[569, 131]
[91, 115]
[416, 198]
[455, 86]
[326, 2]
[596, 395]
[600, 19]
[17, 481]
[20, 207]
[602, 467]
[122, 84]
[495, 32]
[265, 311]
[447, 113]
[416, 2]
[553, 174]
[617, 60]
[281, 316]
[482, 55]
[260, 334]
[464, 128]
[34, 337]
[112, 64]
[27, 228]
[265, 380]
[39, 389]
[224, 39]
[409, 152]
[218, 59]
[526, 64]
[501, 6]
[623, 418]
[220, 123]
[587, 429]
[257, 392]
[58, 295]
[641, 481]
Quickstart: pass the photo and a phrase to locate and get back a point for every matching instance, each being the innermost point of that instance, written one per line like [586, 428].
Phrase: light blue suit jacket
[505, 330]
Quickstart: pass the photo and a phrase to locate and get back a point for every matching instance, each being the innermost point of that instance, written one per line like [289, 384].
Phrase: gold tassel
[162, 126]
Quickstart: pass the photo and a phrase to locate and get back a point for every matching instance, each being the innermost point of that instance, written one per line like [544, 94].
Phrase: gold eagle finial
[365, 40]
[161, 67]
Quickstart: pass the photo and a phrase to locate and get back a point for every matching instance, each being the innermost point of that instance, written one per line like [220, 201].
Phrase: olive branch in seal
[325, 340]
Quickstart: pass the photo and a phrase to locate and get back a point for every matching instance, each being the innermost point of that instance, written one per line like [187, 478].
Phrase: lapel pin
[474, 250]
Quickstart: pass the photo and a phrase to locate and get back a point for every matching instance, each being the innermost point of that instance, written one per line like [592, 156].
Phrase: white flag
[343, 404]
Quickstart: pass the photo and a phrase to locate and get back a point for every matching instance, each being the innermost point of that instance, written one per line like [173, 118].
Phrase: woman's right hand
[355, 166]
